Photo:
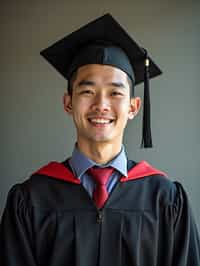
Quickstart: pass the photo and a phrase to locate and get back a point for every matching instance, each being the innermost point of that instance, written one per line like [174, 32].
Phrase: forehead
[105, 73]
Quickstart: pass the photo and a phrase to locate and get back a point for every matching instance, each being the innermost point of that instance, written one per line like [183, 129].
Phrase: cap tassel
[146, 131]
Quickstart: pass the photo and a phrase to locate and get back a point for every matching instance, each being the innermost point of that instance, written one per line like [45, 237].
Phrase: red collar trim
[141, 170]
[59, 171]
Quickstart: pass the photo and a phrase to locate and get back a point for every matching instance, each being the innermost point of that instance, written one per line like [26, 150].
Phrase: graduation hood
[59, 171]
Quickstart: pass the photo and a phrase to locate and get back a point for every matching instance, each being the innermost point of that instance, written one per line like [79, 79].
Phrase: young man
[98, 207]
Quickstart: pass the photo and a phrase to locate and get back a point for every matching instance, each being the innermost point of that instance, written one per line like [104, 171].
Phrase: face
[100, 104]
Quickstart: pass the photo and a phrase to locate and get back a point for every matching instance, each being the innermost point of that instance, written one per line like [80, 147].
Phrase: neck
[99, 153]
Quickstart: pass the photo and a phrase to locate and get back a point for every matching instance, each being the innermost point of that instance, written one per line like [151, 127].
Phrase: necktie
[100, 176]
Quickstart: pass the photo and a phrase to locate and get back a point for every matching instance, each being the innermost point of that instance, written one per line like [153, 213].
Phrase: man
[98, 207]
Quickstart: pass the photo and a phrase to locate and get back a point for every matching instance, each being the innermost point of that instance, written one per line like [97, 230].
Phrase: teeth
[100, 121]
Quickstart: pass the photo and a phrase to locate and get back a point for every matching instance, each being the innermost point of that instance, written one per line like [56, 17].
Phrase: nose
[101, 103]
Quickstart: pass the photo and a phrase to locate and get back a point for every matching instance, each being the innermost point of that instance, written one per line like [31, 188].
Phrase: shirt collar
[80, 163]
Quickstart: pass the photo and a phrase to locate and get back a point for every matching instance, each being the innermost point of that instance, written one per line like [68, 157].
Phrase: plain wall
[34, 126]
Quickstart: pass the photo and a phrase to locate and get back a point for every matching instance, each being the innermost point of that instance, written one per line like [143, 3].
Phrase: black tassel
[146, 131]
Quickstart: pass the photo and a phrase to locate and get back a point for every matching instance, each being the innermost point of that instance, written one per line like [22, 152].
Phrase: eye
[117, 93]
[86, 92]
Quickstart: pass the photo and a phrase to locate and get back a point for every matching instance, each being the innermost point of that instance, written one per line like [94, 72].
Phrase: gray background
[34, 127]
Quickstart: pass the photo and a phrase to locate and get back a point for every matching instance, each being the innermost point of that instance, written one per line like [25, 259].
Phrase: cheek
[81, 107]
[122, 108]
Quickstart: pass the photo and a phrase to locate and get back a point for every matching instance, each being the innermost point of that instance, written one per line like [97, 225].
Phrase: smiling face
[100, 104]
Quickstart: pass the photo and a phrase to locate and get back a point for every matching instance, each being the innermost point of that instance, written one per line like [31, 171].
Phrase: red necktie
[100, 176]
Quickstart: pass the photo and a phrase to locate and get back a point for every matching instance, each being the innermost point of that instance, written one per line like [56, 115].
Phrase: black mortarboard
[104, 41]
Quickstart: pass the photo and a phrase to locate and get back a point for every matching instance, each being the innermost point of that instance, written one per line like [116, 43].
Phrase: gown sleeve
[186, 238]
[16, 237]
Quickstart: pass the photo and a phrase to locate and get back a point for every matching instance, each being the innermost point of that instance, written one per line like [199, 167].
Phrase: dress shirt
[79, 164]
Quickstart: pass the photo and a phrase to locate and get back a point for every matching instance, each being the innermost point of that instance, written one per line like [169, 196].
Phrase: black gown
[50, 220]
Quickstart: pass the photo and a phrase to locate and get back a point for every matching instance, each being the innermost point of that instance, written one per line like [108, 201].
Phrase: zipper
[99, 216]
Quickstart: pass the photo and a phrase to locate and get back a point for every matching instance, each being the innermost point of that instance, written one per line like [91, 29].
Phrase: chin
[104, 139]
[99, 138]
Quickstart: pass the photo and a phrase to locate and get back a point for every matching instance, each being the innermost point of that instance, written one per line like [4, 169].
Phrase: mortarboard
[104, 41]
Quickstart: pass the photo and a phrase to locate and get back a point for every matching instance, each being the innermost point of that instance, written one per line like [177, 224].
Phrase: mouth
[100, 121]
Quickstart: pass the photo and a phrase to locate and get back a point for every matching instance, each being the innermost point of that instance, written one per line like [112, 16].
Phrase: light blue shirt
[79, 164]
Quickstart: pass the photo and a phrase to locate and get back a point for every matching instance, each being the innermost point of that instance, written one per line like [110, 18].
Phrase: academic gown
[50, 220]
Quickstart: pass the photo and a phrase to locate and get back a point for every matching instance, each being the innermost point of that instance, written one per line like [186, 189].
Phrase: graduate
[98, 207]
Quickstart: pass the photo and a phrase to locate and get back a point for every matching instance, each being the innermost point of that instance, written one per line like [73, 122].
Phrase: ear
[67, 103]
[134, 108]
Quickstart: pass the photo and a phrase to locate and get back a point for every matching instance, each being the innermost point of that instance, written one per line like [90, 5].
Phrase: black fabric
[145, 222]
[105, 29]
[98, 53]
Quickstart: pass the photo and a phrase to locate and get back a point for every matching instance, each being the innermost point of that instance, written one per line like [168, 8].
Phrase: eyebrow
[85, 82]
[117, 84]
[91, 83]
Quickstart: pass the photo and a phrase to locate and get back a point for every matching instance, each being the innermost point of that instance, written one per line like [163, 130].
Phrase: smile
[101, 121]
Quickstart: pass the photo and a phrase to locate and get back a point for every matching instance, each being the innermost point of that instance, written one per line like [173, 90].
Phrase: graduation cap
[104, 41]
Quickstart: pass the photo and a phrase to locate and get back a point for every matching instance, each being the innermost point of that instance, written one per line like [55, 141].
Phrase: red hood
[59, 171]
[141, 170]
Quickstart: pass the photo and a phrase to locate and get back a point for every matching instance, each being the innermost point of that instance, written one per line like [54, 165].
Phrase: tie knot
[100, 175]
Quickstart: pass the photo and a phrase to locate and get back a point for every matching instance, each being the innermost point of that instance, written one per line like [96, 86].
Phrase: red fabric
[100, 176]
[59, 171]
[141, 170]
